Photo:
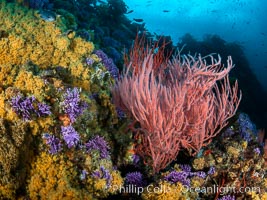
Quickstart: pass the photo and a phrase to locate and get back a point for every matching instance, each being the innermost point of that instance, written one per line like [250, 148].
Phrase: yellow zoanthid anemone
[26, 37]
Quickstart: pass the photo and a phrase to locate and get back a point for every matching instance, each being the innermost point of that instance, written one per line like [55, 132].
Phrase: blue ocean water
[241, 21]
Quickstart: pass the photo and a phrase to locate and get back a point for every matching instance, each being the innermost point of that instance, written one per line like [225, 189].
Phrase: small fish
[103, 2]
[166, 11]
[130, 11]
[68, 32]
[138, 20]
[47, 15]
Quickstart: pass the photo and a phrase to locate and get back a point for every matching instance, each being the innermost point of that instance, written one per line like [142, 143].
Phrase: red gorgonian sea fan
[181, 107]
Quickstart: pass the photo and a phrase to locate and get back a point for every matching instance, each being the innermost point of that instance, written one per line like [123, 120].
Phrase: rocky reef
[61, 136]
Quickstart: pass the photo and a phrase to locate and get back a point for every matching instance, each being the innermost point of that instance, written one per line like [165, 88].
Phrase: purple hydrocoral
[227, 197]
[89, 61]
[108, 63]
[186, 168]
[182, 177]
[70, 136]
[134, 178]
[72, 104]
[211, 170]
[23, 106]
[246, 127]
[53, 142]
[257, 151]
[200, 174]
[103, 173]
[43, 109]
[98, 143]
[83, 174]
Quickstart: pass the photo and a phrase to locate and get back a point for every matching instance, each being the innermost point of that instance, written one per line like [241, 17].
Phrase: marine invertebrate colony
[134, 178]
[98, 143]
[25, 107]
[108, 63]
[44, 97]
[63, 138]
[179, 105]
[72, 104]
[70, 136]
[53, 142]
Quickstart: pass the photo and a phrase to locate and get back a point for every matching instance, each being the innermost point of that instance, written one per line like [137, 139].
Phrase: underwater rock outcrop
[52, 102]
